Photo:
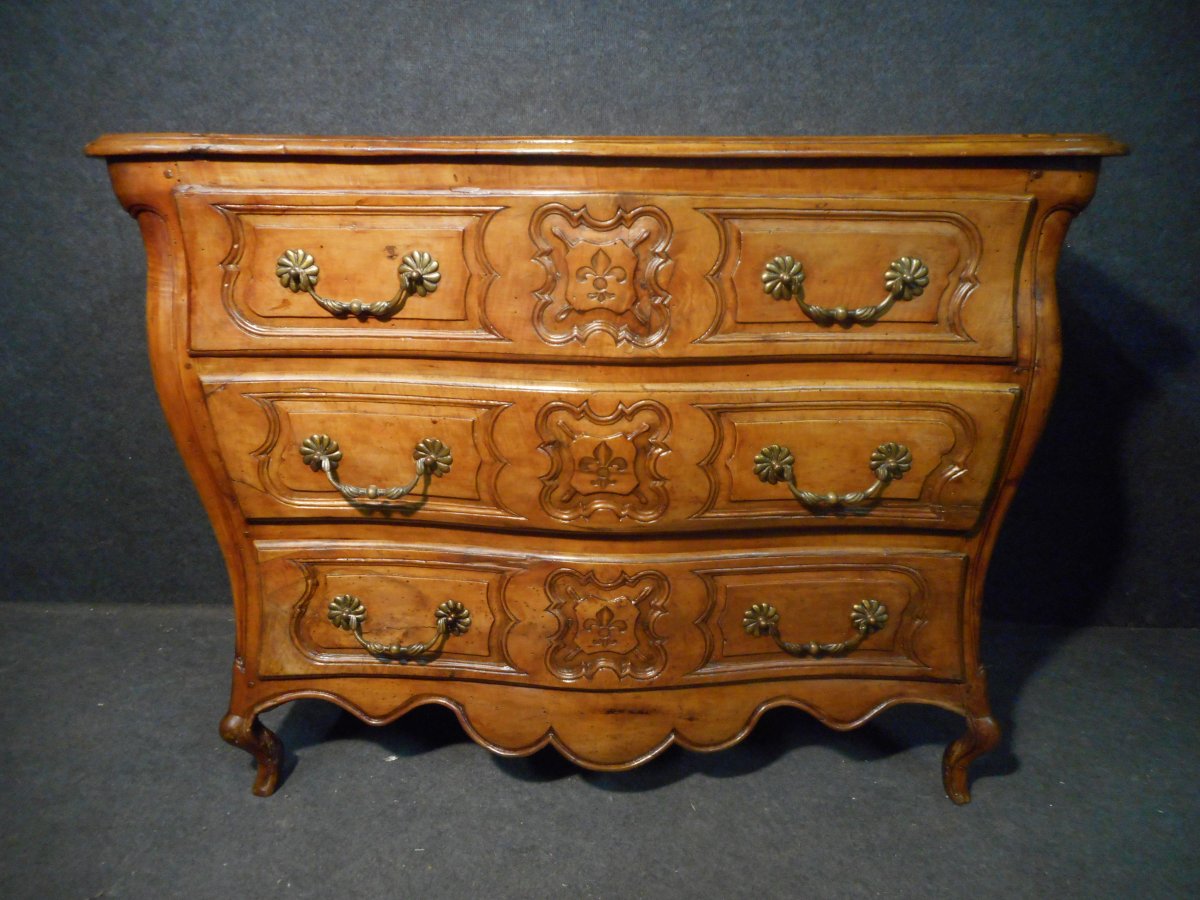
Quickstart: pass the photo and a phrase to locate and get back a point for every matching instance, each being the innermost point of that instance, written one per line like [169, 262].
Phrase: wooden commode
[605, 442]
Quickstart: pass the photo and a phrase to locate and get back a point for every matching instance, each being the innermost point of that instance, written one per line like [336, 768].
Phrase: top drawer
[601, 275]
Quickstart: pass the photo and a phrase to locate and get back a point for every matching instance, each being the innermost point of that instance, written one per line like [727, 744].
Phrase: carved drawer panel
[839, 610]
[251, 280]
[317, 606]
[630, 276]
[871, 454]
[618, 620]
[373, 433]
[594, 457]
[925, 277]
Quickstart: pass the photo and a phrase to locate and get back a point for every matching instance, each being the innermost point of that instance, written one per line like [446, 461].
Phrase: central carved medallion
[604, 462]
[602, 275]
[606, 624]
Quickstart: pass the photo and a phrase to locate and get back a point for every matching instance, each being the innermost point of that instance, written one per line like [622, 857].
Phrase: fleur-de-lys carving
[606, 276]
[906, 277]
[587, 477]
[760, 619]
[605, 626]
[347, 612]
[774, 464]
[600, 272]
[452, 618]
[603, 463]
[890, 461]
[318, 449]
[782, 277]
[868, 616]
[297, 270]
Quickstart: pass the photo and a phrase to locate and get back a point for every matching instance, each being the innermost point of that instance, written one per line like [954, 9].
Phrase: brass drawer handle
[867, 617]
[906, 277]
[321, 453]
[348, 613]
[298, 271]
[889, 462]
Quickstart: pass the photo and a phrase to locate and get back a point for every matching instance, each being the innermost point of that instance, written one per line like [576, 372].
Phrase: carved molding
[604, 462]
[606, 624]
[602, 275]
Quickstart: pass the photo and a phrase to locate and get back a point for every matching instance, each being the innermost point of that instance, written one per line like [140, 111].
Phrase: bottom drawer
[613, 621]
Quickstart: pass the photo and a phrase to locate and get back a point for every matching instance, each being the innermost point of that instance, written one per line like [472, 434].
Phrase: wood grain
[604, 365]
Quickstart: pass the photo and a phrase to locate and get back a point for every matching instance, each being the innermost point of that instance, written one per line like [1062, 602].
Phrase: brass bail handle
[451, 618]
[321, 453]
[905, 278]
[866, 617]
[888, 462]
[298, 271]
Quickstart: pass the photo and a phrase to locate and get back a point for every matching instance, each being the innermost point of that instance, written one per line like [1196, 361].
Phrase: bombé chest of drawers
[605, 443]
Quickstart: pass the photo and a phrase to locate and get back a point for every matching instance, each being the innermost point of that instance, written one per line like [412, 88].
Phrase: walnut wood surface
[604, 365]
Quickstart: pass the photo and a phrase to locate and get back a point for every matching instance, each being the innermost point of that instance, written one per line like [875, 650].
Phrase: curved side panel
[145, 191]
[1040, 353]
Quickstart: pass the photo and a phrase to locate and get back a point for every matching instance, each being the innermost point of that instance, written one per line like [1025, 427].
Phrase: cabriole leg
[260, 742]
[982, 735]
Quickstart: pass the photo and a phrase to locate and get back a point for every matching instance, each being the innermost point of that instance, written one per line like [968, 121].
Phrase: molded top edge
[866, 147]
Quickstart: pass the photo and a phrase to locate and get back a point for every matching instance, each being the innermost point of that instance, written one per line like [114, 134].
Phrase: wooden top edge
[878, 146]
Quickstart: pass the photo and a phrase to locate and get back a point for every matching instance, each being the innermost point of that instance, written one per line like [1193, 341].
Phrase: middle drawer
[661, 457]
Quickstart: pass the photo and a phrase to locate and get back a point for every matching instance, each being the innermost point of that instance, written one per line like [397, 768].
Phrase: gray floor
[115, 784]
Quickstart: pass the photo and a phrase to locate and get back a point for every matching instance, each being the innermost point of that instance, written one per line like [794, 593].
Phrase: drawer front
[847, 276]
[617, 621]
[395, 600]
[602, 275]
[592, 458]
